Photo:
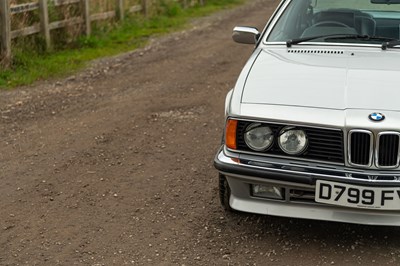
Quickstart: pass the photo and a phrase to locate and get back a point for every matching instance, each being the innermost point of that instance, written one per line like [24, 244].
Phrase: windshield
[309, 19]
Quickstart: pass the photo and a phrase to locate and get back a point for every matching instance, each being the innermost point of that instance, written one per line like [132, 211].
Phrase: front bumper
[298, 181]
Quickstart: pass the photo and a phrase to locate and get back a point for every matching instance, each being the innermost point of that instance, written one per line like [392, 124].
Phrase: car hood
[325, 78]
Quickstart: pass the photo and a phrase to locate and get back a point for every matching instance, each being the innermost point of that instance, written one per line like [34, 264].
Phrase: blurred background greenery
[31, 61]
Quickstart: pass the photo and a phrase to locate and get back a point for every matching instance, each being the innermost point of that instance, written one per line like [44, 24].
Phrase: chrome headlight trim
[300, 135]
[258, 130]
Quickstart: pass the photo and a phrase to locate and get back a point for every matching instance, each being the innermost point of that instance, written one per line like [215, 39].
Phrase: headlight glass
[293, 141]
[258, 137]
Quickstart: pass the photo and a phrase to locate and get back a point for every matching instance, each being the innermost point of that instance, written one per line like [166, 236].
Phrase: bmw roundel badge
[376, 117]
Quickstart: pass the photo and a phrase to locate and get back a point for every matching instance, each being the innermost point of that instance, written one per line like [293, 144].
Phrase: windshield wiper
[390, 44]
[389, 41]
[361, 37]
[291, 42]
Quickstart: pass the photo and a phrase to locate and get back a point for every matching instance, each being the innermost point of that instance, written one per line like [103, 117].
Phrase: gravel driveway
[114, 166]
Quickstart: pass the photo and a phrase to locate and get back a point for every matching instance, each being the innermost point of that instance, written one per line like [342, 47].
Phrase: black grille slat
[324, 144]
[360, 148]
[330, 149]
[388, 150]
[325, 155]
[324, 158]
[317, 136]
[301, 195]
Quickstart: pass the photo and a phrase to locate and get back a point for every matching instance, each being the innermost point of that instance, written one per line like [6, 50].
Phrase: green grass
[30, 65]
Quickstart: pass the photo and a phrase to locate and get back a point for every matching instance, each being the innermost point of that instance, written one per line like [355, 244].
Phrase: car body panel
[353, 79]
[328, 118]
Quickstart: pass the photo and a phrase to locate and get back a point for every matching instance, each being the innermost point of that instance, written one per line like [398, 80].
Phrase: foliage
[31, 62]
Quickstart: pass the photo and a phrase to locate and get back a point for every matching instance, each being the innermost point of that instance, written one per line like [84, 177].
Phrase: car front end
[313, 123]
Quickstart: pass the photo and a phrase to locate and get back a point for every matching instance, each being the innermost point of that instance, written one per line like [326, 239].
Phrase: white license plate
[385, 198]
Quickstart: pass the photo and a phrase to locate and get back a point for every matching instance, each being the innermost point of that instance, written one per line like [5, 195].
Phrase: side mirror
[246, 35]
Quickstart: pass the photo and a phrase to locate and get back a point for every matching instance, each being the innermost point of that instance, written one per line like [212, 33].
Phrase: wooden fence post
[120, 9]
[44, 22]
[86, 17]
[5, 33]
[145, 7]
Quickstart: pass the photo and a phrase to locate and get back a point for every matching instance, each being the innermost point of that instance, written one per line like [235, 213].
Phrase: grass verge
[30, 65]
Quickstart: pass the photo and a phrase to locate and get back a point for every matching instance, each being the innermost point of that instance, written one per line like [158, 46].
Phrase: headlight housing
[258, 137]
[293, 141]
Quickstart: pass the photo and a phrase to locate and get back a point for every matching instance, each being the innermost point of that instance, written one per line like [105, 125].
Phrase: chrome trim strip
[377, 150]
[275, 18]
[371, 148]
[298, 160]
[339, 173]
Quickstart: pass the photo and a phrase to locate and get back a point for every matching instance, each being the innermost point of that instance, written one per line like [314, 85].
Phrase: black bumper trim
[285, 175]
[262, 173]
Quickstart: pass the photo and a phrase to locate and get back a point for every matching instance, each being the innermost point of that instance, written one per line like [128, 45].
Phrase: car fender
[228, 102]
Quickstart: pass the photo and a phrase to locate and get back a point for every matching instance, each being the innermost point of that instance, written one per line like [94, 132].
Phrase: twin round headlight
[293, 141]
[259, 137]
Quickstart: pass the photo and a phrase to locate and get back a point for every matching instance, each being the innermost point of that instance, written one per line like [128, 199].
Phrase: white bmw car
[313, 123]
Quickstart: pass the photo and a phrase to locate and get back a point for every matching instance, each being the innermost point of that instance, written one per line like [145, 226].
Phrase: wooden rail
[45, 26]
